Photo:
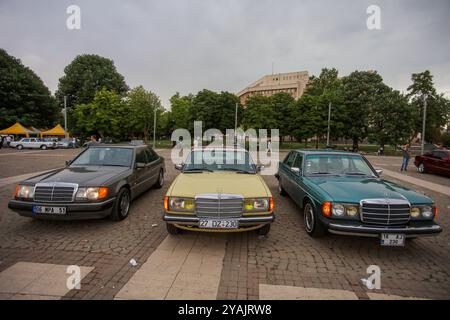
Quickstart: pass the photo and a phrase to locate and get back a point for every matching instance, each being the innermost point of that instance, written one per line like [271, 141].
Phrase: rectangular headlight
[24, 192]
[92, 193]
[181, 204]
[256, 205]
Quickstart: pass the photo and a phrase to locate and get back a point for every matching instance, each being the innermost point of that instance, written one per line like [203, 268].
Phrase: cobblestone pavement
[286, 257]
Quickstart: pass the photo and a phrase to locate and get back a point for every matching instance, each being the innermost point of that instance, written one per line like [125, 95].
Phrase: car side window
[25, 140]
[141, 157]
[289, 161]
[298, 162]
[151, 155]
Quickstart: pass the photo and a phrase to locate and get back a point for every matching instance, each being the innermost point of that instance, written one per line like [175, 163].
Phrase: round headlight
[338, 210]
[427, 212]
[352, 211]
[415, 212]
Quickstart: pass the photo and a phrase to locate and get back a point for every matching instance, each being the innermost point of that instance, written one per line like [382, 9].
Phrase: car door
[441, 162]
[153, 166]
[140, 171]
[286, 174]
[297, 180]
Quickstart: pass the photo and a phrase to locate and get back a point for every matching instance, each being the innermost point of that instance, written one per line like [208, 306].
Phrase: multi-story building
[293, 83]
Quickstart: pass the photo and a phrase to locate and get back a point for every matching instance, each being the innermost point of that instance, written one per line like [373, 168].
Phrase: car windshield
[323, 164]
[121, 157]
[219, 160]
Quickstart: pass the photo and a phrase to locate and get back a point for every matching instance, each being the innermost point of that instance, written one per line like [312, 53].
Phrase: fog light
[352, 211]
[415, 212]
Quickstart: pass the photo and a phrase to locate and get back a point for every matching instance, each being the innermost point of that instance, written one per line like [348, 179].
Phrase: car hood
[191, 184]
[84, 176]
[354, 189]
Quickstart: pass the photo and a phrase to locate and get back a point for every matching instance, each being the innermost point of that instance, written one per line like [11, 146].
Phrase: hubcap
[421, 168]
[309, 218]
[124, 204]
[161, 179]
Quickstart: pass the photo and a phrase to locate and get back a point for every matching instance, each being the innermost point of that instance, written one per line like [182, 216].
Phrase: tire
[44, 147]
[159, 184]
[19, 147]
[171, 229]
[421, 168]
[263, 231]
[281, 191]
[312, 224]
[121, 207]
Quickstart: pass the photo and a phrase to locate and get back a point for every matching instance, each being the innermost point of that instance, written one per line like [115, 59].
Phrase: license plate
[219, 224]
[392, 240]
[49, 210]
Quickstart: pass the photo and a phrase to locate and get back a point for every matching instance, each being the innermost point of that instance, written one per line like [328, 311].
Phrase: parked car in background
[436, 161]
[342, 193]
[65, 143]
[101, 181]
[218, 190]
[32, 143]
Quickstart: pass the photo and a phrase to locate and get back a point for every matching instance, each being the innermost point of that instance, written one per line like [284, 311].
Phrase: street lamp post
[65, 116]
[329, 118]
[423, 124]
[235, 123]
[154, 128]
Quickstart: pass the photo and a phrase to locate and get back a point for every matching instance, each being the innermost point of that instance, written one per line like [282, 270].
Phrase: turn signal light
[271, 204]
[166, 203]
[16, 192]
[435, 212]
[326, 208]
[102, 192]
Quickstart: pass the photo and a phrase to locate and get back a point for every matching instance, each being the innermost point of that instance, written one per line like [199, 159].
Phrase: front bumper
[375, 231]
[245, 222]
[74, 211]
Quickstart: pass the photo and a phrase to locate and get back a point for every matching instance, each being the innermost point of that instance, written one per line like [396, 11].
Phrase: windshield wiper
[321, 172]
[236, 170]
[197, 170]
[356, 173]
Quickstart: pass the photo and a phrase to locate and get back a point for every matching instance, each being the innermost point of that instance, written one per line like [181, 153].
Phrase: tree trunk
[355, 144]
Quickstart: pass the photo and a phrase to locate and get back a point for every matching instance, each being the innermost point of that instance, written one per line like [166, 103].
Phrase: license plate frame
[49, 210]
[392, 239]
[205, 223]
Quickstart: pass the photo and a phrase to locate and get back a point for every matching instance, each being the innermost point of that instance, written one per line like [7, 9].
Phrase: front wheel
[281, 191]
[171, 229]
[312, 224]
[121, 207]
[44, 147]
[421, 168]
[160, 183]
[19, 147]
[263, 231]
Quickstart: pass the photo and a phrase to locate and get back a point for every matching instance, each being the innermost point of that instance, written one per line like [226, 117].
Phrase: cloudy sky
[188, 45]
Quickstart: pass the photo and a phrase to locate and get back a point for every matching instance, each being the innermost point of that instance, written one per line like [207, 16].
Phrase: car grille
[385, 211]
[219, 205]
[55, 192]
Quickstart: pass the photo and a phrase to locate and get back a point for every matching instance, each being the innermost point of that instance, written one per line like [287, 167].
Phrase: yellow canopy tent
[56, 131]
[17, 128]
[34, 130]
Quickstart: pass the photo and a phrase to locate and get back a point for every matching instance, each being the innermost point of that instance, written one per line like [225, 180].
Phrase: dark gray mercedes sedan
[101, 181]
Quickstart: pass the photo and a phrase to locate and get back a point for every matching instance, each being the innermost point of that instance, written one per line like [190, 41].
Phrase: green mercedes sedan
[340, 192]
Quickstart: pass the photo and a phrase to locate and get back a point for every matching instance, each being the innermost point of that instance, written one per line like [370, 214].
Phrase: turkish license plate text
[392, 240]
[49, 210]
[218, 224]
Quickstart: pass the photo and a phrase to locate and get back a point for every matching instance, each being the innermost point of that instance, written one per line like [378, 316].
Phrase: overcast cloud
[188, 45]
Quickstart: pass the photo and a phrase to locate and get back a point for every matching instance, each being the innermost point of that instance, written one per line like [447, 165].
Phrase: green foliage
[107, 115]
[23, 96]
[438, 107]
[142, 105]
[181, 107]
[446, 139]
[258, 113]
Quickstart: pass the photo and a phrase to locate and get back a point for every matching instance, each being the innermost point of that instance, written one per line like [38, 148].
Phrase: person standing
[406, 156]
[1, 142]
[8, 141]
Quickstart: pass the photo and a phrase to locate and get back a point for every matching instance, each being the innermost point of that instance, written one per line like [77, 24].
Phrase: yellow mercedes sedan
[218, 190]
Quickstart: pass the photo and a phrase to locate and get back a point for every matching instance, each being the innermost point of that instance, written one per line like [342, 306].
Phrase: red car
[436, 161]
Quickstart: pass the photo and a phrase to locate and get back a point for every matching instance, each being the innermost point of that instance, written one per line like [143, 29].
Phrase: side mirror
[379, 171]
[179, 166]
[68, 162]
[296, 170]
[140, 165]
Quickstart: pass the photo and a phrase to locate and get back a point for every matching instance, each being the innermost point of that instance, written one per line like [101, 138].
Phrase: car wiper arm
[356, 173]
[198, 170]
[236, 170]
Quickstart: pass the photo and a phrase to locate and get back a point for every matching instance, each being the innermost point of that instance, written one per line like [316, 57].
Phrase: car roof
[326, 151]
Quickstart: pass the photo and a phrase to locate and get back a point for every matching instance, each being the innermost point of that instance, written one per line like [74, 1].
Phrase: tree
[142, 105]
[23, 95]
[438, 107]
[282, 112]
[84, 77]
[361, 91]
[258, 113]
[181, 110]
[106, 115]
